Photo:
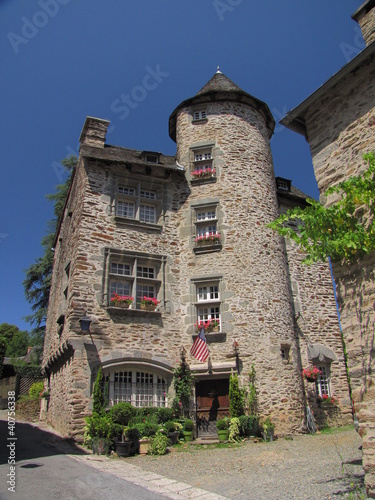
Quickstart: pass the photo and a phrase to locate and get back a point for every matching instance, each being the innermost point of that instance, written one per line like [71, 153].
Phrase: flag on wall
[199, 348]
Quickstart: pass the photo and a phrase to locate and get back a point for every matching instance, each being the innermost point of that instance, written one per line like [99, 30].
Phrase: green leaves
[344, 230]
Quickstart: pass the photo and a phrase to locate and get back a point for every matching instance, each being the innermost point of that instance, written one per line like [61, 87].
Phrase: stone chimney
[94, 132]
[365, 17]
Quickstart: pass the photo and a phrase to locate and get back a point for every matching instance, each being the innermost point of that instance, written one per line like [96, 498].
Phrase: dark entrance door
[212, 403]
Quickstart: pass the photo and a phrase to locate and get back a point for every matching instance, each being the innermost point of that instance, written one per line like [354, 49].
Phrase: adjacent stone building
[338, 120]
[189, 231]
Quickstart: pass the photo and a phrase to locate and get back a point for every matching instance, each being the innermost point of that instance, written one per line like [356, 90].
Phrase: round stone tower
[234, 268]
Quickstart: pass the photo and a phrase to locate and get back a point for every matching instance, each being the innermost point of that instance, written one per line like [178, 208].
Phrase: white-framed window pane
[120, 287]
[125, 209]
[145, 272]
[149, 195]
[161, 390]
[206, 313]
[147, 213]
[206, 230]
[202, 156]
[208, 293]
[122, 269]
[129, 191]
[322, 383]
[206, 215]
[144, 389]
[122, 390]
[145, 291]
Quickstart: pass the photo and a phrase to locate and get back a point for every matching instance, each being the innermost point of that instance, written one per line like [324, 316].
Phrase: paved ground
[323, 466]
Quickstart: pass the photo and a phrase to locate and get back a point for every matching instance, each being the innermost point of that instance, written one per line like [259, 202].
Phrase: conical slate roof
[220, 83]
[220, 88]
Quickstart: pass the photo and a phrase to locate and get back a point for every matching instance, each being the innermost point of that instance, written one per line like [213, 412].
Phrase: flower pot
[223, 434]
[123, 448]
[148, 307]
[123, 305]
[268, 435]
[173, 437]
[144, 445]
[188, 435]
[311, 379]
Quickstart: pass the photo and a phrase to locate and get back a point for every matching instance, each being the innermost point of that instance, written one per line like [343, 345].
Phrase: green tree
[98, 394]
[183, 383]
[38, 276]
[343, 230]
[18, 345]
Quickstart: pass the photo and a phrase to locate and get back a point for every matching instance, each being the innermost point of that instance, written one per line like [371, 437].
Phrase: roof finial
[218, 70]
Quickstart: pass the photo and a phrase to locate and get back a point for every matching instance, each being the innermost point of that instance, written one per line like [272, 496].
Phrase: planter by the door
[188, 435]
[100, 446]
[144, 445]
[223, 435]
[123, 448]
[173, 437]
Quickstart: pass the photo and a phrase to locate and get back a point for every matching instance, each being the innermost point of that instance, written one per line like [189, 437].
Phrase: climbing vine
[343, 230]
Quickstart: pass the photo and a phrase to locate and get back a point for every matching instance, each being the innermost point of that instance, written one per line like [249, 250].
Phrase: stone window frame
[153, 200]
[199, 115]
[135, 390]
[208, 205]
[135, 260]
[202, 148]
[207, 281]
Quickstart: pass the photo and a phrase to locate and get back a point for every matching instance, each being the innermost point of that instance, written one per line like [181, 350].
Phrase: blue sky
[63, 60]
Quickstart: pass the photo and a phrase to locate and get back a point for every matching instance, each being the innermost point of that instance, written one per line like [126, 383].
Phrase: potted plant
[222, 427]
[188, 428]
[132, 435]
[208, 239]
[203, 173]
[124, 301]
[173, 429]
[148, 303]
[123, 447]
[268, 429]
[311, 374]
[211, 325]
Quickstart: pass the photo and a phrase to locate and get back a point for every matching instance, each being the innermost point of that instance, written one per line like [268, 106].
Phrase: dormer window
[151, 157]
[200, 115]
[283, 184]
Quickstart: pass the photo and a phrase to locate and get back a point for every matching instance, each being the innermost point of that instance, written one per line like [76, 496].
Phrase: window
[206, 231]
[323, 382]
[136, 202]
[136, 387]
[208, 303]
[200, 115]
[133, 275]
[203, 167]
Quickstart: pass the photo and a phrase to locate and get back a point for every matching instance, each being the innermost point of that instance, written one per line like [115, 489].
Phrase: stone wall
[340, 128]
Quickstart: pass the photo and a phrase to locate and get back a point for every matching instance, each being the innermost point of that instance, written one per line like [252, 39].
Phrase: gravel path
[323, 466]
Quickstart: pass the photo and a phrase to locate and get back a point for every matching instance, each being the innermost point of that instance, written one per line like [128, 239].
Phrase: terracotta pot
[144, 446]
[148, 307]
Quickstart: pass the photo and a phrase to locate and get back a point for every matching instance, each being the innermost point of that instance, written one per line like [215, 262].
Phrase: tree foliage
[183, 383]
[344, 230]
[38, 276]
[236, 397]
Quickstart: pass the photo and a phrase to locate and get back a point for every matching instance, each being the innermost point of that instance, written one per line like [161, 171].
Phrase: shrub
[36, 389]
[132, 434]
[183, 383]
[164, 415]
[122, 413]
[147, 429]
[234, 430]
[188, 425]
[222, 424]
[249, 425]
[159, 444]
[101, 426]
[169, 426]
[149, 413]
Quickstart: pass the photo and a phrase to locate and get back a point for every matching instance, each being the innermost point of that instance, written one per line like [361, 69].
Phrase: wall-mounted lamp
[85, 323]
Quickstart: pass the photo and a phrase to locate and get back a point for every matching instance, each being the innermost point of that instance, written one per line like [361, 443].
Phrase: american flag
[199, 348]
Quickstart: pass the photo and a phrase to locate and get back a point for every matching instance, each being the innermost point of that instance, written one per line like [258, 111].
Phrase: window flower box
[148, 303]
[123, 301]
[201, 173]
[325, 399]
[211, 325]
[208, 239]
[311, 374]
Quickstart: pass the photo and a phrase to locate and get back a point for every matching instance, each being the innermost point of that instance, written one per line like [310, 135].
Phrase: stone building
[338, 121]
[189, 231]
